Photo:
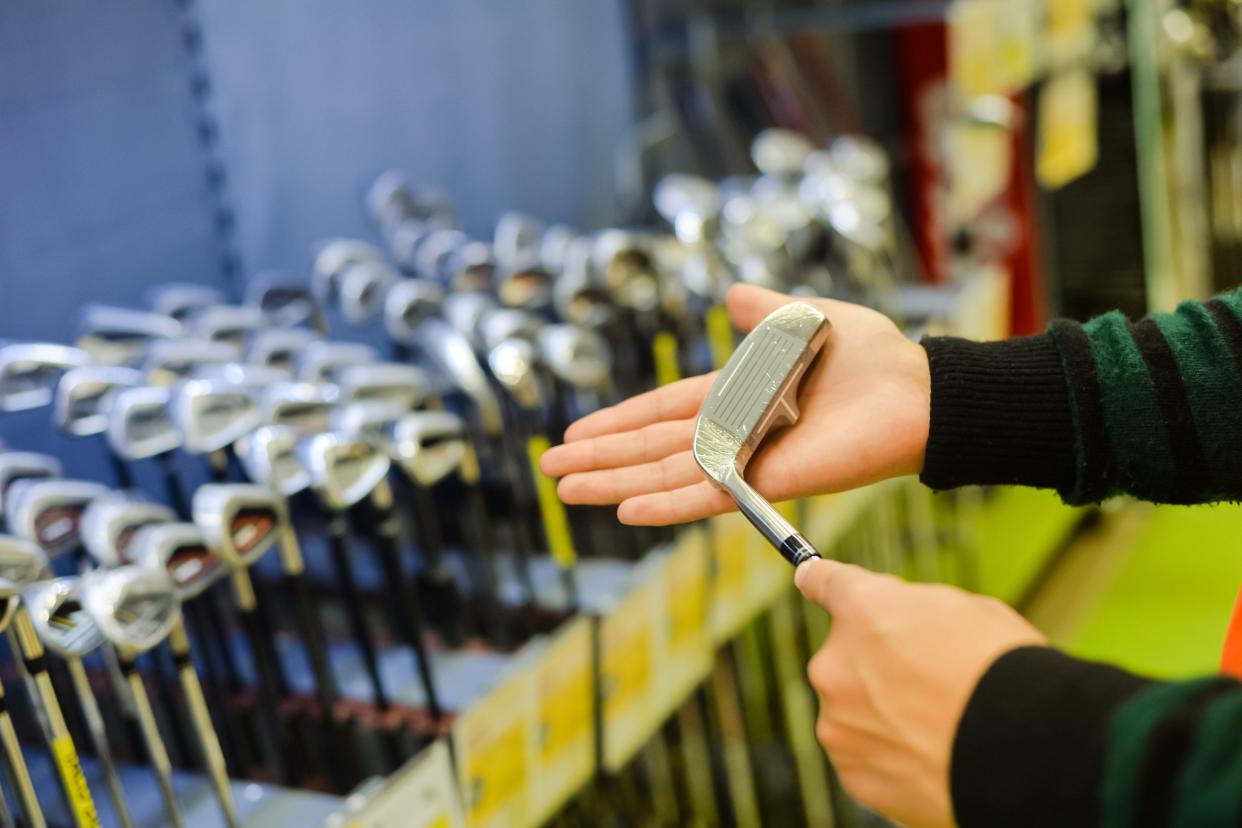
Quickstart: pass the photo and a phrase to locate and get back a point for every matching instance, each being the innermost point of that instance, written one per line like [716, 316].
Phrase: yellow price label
[686, 600]
[496, 772]
[719, 334]
[555, 521]
[442, 821]
[664, 354]
[564, 713]
[1068, 117]
[78, 792]
[626, 672]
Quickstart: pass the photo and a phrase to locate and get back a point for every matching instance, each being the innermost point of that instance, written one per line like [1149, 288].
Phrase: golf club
[29, 373]
[118, 336]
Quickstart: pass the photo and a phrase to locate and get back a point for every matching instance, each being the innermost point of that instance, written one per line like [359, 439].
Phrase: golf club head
[267, 454]
[21, 563]
[279, 347]
[29, 372]
[321, 361]
[138, 423]
[370, 421]
[81, 393]
[690, 204]
[228, 323]
[390, 200]
[435, 252]
[167, 361]
[577, 356]
[118, 336]
[754, 393]
[464, 310]
[181, 550]
[59, 619]
[515, 365]
[453, 355]
[134, 607]
[624, 260]
[528, 288]
[517, 238]
[253, 378]
[430, 445]
[363, 287]
[304, 406]
[471, 267]
[110, 522]
[390, 382]
[408, 304]
[183, 300]
[333, 256]
[284, 300]
[860, 158]
[344, 469]
[780, 152]
[212, 414]
[495, 326]
[50, 512]
[24, 465]
[554, 247]
[240, 521]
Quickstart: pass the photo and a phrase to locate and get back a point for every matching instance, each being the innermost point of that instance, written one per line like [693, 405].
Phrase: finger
[749, 304]
[828, 583]
[615, 485]
[678, 506]
[644, 445]
[676, 401]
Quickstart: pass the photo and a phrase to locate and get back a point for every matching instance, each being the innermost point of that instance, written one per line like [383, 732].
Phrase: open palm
[865, 405]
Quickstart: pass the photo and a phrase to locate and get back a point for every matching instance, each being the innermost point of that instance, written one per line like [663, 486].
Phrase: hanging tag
[555, 521]
[664, 355]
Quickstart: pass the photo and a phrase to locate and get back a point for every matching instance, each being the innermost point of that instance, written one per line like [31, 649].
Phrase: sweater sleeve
[1051, 740]
[1150, 408]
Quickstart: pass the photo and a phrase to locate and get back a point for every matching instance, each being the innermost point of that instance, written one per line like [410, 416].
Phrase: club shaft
[265, 659]
[355, 609]
[99, 739]
[23, 786]
[157, 752]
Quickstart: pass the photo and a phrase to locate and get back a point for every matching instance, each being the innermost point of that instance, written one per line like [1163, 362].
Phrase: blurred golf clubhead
[390, 382]
[49, 512]
[268, 456]
[304, 406]
[81, 393]
[182, 552]
[453, 355]
[228, 323]
[60, 620]
[430, 445]
[577, 356]
[21, 563]
[212, 414]
[167, 361]
[118, 336]
[320, 361]
[134, 607]
[138, 423]
[284, 300]
[110, 522]
[279, 347]
[343, 469]
[181, 300]
[253, 379]
[780, 152]
[362, 289]
[24, 465]
[690, 204]
[408, 304]
[240, 521]
[30, 371]
[515, 365]
[333, 256]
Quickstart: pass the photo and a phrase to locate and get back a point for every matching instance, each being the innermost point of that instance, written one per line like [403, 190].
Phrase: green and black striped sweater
[1151, 409]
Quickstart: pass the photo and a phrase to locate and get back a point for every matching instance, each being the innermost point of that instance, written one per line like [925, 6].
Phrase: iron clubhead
[24, 465]
[111, 521]
[49, 512]
[181, 550]
[182, 300]
[279, 347]
[168, 361]
[304, 406]
[333, 256]
[268, 456]
[517, 238]
[452, 354]
[386, 382]
[430, 445]
[284, 301]
[322, 361]
[134, 607]
[408, 304]
[362, 289]
[780, 152]
[370, 421]
[212, 414]
[578, 356]
[253, 378]
[118, 336]
[30, 371]
[515, 364]
[344, 469]
[755, 393]
[22, 563]
[59, 619]
[228, 323]
[241, 521]
[138, 423]
[81, 393]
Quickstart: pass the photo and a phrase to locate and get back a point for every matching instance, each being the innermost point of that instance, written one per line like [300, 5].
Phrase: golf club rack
[328, 584]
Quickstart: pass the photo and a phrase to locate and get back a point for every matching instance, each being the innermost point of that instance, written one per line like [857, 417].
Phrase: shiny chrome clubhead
[284, 301]
[363, 288]
[181, 550]
[111, 521]
[386, 382]
[30, 371]
[21, 563]
[408, 304]
[134, 607]
[515, 365]
[576, 355]
[322, 361]
[690, 204]
[267, 454]
[24, 465]
[430, 445]
[139, 425]
[755, 393]
[240, 521]
[370, 421]
[780, 152]
[170, 360]
[344, 469]
[452, 353]
[212, 414]
[228, 323]
[304, 406]
[280, 347]
[331, 260]
[118, 336]
[79, 405]
[49, 512]
[253, 378]
[181, 301]
[517, 238]
[60, 620]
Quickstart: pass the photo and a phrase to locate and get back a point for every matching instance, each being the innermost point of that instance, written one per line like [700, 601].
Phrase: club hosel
[382, 498]
[291, 559]
[470, 470]
[784, 538]
[243, 590]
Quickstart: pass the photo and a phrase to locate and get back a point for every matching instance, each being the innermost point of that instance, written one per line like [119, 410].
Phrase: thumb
[749, 304]
[828, 583]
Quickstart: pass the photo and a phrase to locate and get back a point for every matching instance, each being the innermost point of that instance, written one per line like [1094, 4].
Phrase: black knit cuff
[1000, 414]
[1029, 749]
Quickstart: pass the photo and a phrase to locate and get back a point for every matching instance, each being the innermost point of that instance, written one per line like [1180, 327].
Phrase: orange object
[1231, 658]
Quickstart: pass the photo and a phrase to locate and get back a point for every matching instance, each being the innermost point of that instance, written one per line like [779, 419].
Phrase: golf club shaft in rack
[157, 752]
[15, 764]
[99, 739]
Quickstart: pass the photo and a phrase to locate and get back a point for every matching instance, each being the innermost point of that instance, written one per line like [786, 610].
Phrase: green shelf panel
[1166, 612]
[1019, 529]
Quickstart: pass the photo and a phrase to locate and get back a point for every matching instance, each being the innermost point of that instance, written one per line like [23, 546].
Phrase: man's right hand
[865, 407]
